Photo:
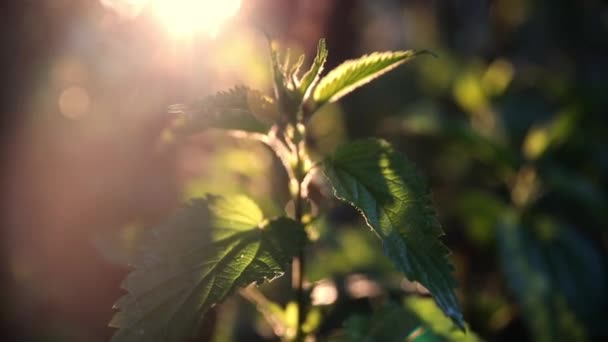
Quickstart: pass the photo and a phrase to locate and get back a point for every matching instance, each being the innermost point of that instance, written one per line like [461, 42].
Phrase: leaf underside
[384, 186]
[355, 73]
[196, 259]
[235, 109]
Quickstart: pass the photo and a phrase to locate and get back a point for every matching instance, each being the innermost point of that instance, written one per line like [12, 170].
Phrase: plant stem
[301, 299]
[298, 262]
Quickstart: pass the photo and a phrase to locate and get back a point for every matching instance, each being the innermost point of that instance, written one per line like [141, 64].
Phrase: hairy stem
[287, 150]
[298, 262]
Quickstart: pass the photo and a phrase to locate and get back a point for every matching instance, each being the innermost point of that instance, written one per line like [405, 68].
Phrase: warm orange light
[186, 17]
[74, 102]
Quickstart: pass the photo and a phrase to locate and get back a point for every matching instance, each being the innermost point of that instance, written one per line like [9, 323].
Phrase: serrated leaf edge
[454, 315]
[347, 67]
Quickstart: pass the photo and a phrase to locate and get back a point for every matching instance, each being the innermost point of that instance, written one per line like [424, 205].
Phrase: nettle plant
[214, 245]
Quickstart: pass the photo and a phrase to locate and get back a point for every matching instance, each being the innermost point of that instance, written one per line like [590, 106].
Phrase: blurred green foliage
[416, 320]
[509, 124]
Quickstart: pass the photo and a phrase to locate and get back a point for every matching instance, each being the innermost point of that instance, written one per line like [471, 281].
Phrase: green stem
[298, 262]
[300, 298]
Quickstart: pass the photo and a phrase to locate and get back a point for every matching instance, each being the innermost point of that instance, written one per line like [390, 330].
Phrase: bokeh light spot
[74, 102]
[324, 293]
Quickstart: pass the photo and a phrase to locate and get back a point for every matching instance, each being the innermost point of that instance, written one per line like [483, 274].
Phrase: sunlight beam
[184, 18]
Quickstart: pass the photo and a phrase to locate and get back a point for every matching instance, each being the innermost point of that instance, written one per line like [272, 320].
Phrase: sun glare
[187, 17]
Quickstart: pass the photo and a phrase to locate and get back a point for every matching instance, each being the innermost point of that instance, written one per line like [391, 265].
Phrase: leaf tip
[322, 47]
[458, 320]
[425, 52]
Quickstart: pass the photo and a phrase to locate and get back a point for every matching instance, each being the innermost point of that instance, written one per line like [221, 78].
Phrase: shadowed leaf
[396, 204]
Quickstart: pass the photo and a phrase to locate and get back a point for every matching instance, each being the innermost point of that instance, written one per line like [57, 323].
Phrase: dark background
[508, 125]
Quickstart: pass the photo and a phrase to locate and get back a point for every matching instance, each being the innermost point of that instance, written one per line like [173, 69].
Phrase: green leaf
[462, 136]
[287, 97]
[576, 190]
[239, 108]
[391, 323]
[480, 212]
[558, 277]
[417, 320]
[434, 326]
[311, 77]
[194, 260]
[384, 186]
[354, 73]
[293, 70]
[551, 134]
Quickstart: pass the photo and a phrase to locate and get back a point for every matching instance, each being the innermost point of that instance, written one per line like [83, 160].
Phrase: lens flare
[187, 17]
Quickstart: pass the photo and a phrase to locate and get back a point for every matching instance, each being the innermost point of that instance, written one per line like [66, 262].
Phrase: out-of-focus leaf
[395, 201]
[195, 260]
[239, 108]
[484, 149]
[550, 134]
[487, 150]
[468, 92]
[355, 73]
[435, 326]
[311, 77]
[391, 323]
[354, 250]
[418, 320]
[577, 189]
[480, 212]
[558, 277]
[497, 77]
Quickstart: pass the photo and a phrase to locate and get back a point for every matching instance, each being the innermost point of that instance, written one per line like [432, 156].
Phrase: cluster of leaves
[214, 245]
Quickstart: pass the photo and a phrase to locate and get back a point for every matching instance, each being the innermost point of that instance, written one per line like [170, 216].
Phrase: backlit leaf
[194, 260]
[311, 77]
[354, 73]
[239, 108]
